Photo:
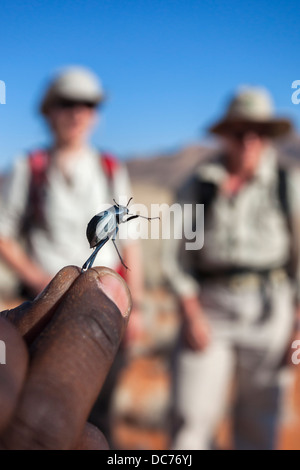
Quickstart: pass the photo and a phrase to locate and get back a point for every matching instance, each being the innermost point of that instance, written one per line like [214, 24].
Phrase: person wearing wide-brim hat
[236, 293]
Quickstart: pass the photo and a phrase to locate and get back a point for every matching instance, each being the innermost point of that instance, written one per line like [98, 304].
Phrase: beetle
[104, 226]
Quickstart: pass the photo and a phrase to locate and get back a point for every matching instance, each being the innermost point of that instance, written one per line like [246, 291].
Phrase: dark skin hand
[54, 374]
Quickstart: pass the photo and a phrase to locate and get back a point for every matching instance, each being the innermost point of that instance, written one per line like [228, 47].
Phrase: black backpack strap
[39, 162]
[283, 196]
[207, 194]
[198, 191]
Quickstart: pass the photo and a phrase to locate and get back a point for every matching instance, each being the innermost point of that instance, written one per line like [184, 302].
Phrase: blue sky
[168, 65]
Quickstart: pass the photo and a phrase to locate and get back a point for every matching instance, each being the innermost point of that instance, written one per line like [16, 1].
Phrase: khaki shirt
[246, 230]
[70, 204]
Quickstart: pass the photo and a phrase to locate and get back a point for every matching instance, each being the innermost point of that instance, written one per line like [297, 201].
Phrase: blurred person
[52, 194]
[240, 293]
[46, 395]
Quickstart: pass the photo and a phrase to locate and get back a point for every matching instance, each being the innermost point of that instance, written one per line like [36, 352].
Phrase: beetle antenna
[116, 202]
[129, 201]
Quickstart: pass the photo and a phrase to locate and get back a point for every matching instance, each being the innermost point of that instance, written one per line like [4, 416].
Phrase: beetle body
[104, 226]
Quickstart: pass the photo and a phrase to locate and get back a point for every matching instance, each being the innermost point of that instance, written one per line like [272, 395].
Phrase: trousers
[251, 325]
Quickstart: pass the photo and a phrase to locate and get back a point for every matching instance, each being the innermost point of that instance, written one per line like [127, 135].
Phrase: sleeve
[176, 260]
[14, 199]
[294, 203]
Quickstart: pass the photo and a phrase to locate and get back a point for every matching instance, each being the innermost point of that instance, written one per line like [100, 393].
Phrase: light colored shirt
[246, 230]
[70, 204]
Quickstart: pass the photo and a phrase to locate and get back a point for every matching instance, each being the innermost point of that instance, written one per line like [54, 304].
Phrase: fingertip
[41, 310]
[92, 439]
[114, 287]
[60, 282]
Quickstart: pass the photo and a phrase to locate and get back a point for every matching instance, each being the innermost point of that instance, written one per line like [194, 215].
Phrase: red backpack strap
[109, 164]
[39, 161]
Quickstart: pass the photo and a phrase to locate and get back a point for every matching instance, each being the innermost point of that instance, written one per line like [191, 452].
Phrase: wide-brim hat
[251, 108]
[73, 83]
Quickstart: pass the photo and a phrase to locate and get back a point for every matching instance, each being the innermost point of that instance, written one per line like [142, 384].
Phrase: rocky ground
[142, 401]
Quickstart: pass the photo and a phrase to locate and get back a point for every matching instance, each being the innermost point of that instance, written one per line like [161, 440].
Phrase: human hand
[196, 328]
[52, 377]
[27, 270]
[36, 282]
[197, 333]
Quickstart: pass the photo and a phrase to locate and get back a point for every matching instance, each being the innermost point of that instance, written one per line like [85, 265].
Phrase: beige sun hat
[73, 83]
[251, 108]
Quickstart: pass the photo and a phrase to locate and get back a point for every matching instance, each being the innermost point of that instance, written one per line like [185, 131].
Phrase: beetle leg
[138, 215]
[90, 261]
[126, 267]
[113, 240]
[130, 218]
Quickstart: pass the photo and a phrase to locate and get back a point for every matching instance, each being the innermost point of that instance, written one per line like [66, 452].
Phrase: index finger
[31, 317]
[70, 361]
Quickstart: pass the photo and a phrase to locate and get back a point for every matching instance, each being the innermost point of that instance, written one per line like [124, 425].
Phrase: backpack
[39, 161]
